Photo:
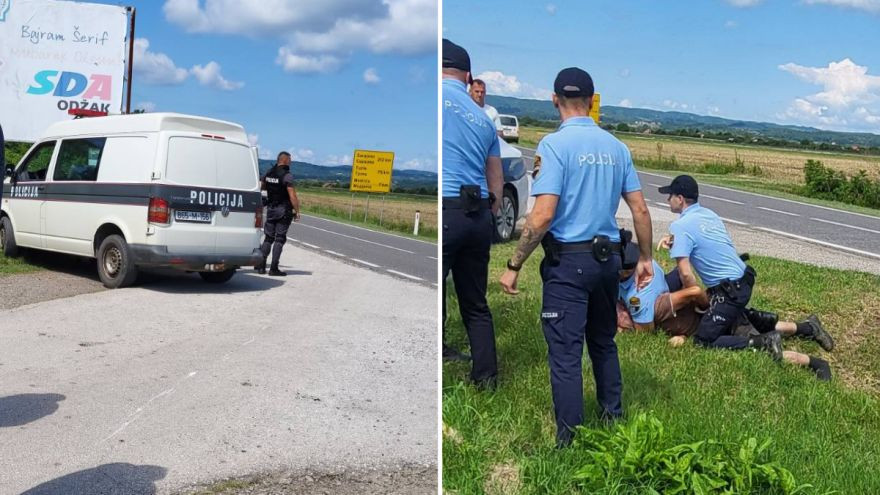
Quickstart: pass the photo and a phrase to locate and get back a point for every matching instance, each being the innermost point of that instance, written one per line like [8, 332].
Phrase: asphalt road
[402, 257]
[177, 382]
[850, 232]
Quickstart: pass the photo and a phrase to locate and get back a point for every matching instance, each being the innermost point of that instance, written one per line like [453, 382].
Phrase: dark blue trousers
[579, 305]
[466, 242]
[725, 310]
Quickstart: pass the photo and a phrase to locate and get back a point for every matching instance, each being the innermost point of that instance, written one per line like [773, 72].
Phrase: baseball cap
[684, 185]
[455, 57]
[573, 82]
[630, 256]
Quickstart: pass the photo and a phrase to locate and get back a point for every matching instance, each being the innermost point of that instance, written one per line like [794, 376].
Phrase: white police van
[142, 190]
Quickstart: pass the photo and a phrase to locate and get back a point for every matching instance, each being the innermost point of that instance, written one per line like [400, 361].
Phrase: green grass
[826, 434]
[11, 266]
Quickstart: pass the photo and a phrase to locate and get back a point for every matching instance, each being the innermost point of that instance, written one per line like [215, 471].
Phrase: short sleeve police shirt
[700, 235]
[640, 303]
[469, 138]
[589, 169]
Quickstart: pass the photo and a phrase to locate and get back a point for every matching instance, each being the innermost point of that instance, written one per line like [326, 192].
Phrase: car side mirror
[9, 172]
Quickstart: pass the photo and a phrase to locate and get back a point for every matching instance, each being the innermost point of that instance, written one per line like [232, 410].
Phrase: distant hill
[543, 110]
[309, 171]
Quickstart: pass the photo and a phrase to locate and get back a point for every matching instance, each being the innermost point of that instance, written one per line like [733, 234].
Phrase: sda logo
[5, 5]
[72, 84]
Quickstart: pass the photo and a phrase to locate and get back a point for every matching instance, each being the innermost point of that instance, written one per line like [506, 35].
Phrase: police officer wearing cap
[471, 177]
[282, 208]
[699, 242]
[583, 171]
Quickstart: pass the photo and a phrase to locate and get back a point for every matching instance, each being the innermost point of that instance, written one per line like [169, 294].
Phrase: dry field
[776, 164]
[396, 212]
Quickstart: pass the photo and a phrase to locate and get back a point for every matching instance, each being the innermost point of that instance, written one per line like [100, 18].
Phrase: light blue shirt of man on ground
[699, 234]
[640, 303]
[589, 169]
[469, 137]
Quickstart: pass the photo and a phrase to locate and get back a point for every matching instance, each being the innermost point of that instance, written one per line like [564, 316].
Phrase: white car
[509, 128]
[515, 198]
[142, 190]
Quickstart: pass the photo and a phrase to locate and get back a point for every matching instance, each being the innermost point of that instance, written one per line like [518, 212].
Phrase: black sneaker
[821, 368]
[275, 272]
[819, 334]
[261, 268]
[770, 342]
[452, 354]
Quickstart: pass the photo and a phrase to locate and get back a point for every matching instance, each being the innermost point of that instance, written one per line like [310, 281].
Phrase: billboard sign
[56, 56]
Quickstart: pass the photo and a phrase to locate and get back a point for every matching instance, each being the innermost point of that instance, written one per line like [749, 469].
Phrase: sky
[803, 62]
[316, 78]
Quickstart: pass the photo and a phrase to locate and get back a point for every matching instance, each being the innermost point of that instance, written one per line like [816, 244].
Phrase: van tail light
[258, 218]
[158, 212]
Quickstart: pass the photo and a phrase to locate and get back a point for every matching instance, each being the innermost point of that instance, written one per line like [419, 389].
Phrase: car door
[27, 195]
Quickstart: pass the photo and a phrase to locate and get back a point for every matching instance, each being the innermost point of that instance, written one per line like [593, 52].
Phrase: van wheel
[7, 238]
[115, 263]
[217, 277]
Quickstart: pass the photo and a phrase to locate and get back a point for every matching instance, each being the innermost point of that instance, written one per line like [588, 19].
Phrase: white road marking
[334, 253]
[365, 263]
[432, 258]
[191, 374]
[739, 191]
[306, 244]
[846, 225]
[823, 243]
[357, 238]
[655, 185]
[722, 199]
[777, 211]
[369, 230]
[733, 221]
[662, 205]
[406, 275]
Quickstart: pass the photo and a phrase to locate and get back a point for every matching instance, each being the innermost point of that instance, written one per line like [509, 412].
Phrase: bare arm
[537, 225]
[495, 179]
[688, 279]
[690, 294]
[642, 224]
[294, 200]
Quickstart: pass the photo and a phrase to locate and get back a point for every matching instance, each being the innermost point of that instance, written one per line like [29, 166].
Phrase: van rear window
[210, 163]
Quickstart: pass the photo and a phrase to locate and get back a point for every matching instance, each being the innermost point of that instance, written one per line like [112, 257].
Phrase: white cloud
[872, 6]
[292, 62]
[266, 153]
[498, 83]
[146, 106]
[626, 103]
[730, 24]
[210, 76]
[303, 155]
[674, 105]
[337, 160]
[155, 68]
[425, 164]
[253, 139]
[743, 3]
[317, 36]
[371, 77]
[551, 9]
[624, 72]
[850, 97]
[713, 110]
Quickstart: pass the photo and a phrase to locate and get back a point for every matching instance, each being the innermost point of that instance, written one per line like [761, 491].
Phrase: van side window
[78, 159]
[36, 165]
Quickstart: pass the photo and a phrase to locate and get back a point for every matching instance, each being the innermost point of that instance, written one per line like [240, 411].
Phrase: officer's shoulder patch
[537, 167]
[635, 302]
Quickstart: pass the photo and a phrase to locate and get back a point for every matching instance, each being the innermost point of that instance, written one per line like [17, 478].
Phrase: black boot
[819, 334]
[261, 267]
[453, 354]
[763, 321]
[770, 342]
[821, 368]
[275, 272]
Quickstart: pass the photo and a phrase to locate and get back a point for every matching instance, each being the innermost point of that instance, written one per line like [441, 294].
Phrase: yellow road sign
[371, 171]
[594, 110]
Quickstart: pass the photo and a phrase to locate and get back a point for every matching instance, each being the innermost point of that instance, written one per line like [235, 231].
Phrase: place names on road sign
[371, 171]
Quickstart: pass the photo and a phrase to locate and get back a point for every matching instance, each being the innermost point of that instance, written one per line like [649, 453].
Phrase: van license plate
[192, 216]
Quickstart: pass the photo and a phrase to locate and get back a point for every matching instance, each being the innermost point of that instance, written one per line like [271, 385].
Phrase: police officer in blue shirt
[471, 175]
[583, 173]
[699, 242]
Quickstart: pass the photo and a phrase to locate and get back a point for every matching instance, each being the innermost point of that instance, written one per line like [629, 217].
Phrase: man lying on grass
[664, 303]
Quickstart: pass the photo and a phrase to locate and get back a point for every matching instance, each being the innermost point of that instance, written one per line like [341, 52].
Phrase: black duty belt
[455, 203]
[584, 247]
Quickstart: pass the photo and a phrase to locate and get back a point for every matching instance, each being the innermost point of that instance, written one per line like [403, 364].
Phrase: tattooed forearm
[529, 239]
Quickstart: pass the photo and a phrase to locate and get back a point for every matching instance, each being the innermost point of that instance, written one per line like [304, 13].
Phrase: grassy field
[396, 213]
[777, 164]
[11, 266]
[826, 434]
